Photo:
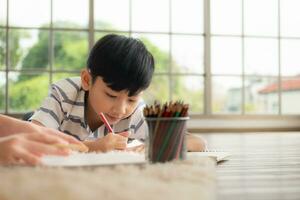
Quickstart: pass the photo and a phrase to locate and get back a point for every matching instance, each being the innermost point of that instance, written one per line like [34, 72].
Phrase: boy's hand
[109, 142]
[116, 141]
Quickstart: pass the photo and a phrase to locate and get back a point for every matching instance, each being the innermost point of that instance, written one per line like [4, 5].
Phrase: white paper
[134, 143]
[90, 159]
[115, 157]
[217, 155]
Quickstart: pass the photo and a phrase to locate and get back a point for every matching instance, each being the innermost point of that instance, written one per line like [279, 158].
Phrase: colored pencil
[166, 130]
[104, 120]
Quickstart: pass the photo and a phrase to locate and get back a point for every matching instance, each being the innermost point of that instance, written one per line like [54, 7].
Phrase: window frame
[207, 75]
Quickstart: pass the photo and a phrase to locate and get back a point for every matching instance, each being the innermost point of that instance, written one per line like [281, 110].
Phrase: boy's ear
[86, 79]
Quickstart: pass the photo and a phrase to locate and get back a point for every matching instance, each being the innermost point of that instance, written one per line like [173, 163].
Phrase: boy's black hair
[123, 62]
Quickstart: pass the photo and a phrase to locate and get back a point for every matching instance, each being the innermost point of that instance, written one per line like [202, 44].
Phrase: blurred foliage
[27, 95]
[2, 99]
[2, 48]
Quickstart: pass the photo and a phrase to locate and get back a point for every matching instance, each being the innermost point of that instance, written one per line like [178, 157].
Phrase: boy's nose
[119, 109]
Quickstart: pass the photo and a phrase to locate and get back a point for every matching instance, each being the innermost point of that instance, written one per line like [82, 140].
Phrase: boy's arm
[51, 112]
[195, 143]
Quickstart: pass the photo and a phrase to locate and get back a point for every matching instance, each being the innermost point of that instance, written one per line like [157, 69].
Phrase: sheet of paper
[134, 143]
[217, 155]
[116, 157]
[92, 159]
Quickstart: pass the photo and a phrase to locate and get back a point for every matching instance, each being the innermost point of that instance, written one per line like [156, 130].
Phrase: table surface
[262, 166]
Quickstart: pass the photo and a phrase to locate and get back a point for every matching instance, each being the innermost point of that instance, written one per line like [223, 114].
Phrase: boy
[118, 70]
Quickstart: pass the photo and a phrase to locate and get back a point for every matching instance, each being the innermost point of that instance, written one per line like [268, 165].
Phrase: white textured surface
[192, 180]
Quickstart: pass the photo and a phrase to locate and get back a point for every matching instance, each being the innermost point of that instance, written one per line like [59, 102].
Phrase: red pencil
[104, 120]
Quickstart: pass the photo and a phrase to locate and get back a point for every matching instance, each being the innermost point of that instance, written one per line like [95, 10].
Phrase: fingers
[116, 141]
[45, 138]
[64, 136]
[121, 142]
[74, 147]
[27, 158]
[56, 141]
[39, 128]
[37, 148]
[27, 149]
[124, 134]
[120, 145]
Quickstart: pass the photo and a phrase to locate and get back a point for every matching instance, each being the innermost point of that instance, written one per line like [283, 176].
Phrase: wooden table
[263, 165]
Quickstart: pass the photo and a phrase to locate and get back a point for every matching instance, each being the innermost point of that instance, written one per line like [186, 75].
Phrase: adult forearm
[9, 125]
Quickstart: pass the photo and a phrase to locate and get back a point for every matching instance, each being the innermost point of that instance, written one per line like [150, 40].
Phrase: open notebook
[116, 157]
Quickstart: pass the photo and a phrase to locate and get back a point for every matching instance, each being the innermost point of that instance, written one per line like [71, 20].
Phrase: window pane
[76, 15]
[190, 90]
[158, 90]
[3, 13]
[261, 56]
[2, 48]
[150, 15]
[226, 55]
[29, 49]
[261, 17]
[59, 76]
[29, 13]
[290, 57]
[2, 91]
[187, 54]
[290, 95]
[158, 45]
[289, 15]
[70, 50]
[226, 95]
[26, 91]
[105, 19]
[226, 17]
[261, 95]
[187, 16]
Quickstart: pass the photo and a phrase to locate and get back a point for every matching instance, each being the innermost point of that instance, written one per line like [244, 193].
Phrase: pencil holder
[166, 141]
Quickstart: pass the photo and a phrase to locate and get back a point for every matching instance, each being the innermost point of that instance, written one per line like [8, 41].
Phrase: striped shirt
[64, 110]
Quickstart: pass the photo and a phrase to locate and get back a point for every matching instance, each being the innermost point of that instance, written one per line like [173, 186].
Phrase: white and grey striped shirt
[64, 108]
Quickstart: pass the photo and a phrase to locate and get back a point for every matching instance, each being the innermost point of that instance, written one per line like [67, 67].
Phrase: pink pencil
[104, 120]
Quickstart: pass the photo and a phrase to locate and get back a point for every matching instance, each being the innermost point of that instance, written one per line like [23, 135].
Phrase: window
[233, 57]
[255, 68]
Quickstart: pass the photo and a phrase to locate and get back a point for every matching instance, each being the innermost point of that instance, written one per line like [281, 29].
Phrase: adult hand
[31, 127]
[9, 126]
[27, 148]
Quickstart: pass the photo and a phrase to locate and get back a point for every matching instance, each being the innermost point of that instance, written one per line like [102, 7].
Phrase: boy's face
[115, 105]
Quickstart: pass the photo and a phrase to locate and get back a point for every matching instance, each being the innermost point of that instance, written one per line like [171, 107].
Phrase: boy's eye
[132, 100]
[111, 96]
